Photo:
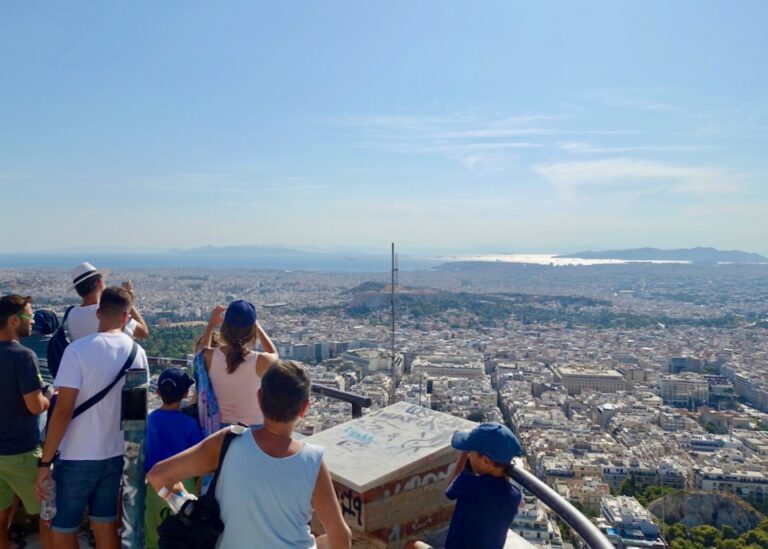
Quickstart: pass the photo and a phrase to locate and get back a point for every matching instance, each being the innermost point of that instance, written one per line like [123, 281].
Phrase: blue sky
[483, 126]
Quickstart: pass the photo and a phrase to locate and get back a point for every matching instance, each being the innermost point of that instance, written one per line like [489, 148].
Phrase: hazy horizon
[501, 127]
[385, 249]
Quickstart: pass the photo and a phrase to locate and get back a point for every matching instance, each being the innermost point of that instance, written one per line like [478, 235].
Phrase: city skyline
[497, 128]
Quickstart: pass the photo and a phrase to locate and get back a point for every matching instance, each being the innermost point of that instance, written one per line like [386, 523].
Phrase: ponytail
[236, 344]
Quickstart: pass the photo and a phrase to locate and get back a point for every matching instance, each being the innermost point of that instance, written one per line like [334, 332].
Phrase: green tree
[713, 428]
[653, 492]
[706, 535]
[685, 544]
[729, 544]
[677, 531]
[756, 537]
[628, 487]
[477, 417]
[729, 532]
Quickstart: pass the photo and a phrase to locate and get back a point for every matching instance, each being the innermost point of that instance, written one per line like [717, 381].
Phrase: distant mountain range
[236, 250]
[695, 255]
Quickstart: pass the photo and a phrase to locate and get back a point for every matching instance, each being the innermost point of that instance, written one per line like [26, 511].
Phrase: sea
[288, 260]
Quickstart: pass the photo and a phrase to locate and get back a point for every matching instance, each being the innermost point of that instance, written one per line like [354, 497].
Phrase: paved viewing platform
[390, 469]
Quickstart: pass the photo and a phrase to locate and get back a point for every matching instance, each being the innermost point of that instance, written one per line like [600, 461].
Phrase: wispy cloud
[588, 148]
[479, 143]
[645, 99]
[638, 176]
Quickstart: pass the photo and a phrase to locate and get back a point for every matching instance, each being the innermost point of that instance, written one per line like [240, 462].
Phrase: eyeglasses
[25, 316]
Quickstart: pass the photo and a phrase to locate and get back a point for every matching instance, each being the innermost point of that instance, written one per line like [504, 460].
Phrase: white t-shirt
[90, 364]
[82, 321]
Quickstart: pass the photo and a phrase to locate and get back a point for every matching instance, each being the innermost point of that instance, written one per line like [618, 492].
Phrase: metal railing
[358, 402]
[579, 523]
[164, 361]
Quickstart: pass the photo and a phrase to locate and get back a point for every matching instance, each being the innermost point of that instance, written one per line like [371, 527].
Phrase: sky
[497, 127]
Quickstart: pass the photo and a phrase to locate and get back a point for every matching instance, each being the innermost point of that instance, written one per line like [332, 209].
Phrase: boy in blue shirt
[169, 432]
[486, 500]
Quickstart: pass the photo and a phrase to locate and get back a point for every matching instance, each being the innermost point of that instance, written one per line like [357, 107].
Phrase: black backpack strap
[101, 394]
[66, 313]
[228, 438]
[63, 326]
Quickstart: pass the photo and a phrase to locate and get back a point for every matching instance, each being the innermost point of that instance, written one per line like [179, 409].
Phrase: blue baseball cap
[46, 322]
[241, 314]
[173, 383]
[490, 439]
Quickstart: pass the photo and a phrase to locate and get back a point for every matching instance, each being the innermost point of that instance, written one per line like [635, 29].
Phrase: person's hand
[128, 286]
[217, 315]
[43, 483]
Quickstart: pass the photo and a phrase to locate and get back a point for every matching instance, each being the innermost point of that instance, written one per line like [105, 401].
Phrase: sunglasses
[25, 316]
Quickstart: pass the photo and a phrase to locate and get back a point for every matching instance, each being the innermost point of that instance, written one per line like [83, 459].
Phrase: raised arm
[141, 331]
[326, 505]
[269, 356]
[461, 463]
[217, 317]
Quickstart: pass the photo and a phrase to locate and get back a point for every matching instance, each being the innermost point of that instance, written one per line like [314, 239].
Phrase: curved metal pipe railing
[585, 528]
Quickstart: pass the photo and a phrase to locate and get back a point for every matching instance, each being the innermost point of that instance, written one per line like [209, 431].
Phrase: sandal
[17, 537]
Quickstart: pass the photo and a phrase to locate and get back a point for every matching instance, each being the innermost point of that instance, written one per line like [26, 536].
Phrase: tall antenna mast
[392, 332]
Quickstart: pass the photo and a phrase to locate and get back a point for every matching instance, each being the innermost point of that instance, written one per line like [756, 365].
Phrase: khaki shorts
[17, 476]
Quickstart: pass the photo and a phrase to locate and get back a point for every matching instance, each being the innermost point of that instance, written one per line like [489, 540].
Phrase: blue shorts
[88, 483]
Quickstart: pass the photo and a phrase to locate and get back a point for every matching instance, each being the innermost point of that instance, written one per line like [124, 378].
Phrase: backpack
[57, 344]
[198, 524]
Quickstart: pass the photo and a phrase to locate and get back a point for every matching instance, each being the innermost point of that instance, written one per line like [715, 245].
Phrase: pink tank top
[236, 392]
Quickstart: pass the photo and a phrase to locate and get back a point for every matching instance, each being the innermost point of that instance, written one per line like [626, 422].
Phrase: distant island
[694, 255]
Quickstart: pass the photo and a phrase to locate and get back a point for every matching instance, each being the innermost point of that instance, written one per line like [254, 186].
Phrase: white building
[629, 524]
[449, 366]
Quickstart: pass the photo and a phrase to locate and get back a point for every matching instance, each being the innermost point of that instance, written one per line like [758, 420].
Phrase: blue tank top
[267, 501]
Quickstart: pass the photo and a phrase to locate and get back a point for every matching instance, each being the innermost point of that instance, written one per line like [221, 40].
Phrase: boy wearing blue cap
[169, 432]
[486, 501]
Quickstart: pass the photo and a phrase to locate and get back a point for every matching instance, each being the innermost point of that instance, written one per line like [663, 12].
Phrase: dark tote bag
[198, 524]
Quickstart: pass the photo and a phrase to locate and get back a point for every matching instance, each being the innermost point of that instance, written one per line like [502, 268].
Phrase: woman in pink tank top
[234, 368]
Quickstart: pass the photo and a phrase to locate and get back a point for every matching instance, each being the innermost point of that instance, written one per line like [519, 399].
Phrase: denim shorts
[86, 483]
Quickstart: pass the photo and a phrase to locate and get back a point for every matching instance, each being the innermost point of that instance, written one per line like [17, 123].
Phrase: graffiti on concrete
[351, 504]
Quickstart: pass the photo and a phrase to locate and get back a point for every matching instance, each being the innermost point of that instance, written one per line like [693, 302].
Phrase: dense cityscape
[624, 383]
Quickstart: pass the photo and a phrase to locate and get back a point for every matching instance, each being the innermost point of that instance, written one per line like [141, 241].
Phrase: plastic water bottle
[175, 500]
[48, 507]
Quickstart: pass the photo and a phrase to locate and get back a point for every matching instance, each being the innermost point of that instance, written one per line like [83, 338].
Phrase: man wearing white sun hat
[88, 282]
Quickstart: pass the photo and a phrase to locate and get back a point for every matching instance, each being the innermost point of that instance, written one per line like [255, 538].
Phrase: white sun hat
[84, 271]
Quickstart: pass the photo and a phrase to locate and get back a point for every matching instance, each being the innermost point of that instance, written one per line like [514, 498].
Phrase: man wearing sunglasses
[21, 401]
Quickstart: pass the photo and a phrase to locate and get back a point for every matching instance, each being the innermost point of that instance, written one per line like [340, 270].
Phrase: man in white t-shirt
[88, 282]
[90, 463]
